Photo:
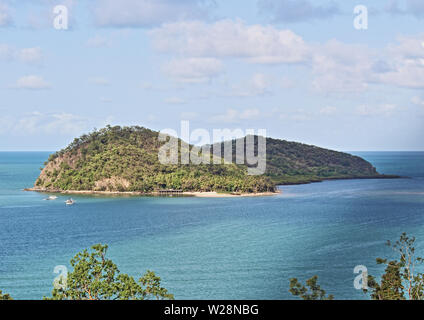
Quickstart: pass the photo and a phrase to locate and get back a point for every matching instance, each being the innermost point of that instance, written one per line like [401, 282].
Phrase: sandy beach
[211, 194]
[229, 195]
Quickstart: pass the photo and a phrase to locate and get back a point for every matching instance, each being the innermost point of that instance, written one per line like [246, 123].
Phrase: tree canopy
[401, 279]
[95, 277]
[5, 296]
[126, 159]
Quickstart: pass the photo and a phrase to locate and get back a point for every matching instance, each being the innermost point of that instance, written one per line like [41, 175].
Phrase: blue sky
[298, 69]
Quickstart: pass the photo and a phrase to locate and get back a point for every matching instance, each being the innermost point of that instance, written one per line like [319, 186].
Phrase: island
[124, 160]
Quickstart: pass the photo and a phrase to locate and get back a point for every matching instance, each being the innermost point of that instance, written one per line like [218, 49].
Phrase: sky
[297, 68]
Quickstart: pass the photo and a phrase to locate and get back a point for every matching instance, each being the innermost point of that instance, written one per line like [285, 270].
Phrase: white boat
[69, 202]
[51, 198]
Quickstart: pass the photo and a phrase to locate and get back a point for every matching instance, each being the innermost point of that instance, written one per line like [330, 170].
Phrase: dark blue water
[229, 248]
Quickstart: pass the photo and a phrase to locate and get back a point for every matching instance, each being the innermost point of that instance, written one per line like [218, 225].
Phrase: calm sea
[230, 248]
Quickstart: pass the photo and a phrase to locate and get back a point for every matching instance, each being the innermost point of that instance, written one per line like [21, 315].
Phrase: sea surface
[211, 248]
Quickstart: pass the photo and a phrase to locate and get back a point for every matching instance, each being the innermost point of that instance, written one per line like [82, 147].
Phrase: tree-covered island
[125, 159]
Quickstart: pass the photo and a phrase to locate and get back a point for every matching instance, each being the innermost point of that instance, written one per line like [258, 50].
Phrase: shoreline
[208, 194]
[376, 177]
[199, 194]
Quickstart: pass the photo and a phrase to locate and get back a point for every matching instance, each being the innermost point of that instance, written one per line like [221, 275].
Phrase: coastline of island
[199, 194]
[124, 161]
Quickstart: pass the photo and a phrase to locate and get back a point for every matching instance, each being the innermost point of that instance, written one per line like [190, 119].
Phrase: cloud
[339, 67]
[5, 17]
[26, 55]
[409, 7]
[230, 39]
[259, 84]
[289, 11]
[336, 67]
[30, 55]
[31, 82]
[55, 123]
[41, 15]
[418, 101]
[48, 123]
[193, 70]
[406, 61]
[148, 13]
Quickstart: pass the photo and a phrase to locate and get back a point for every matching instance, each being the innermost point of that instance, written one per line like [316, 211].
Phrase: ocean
[214, 248]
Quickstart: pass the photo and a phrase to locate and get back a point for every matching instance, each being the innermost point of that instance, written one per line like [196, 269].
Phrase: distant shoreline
[206, 194]
[209, 194]
[377, 177]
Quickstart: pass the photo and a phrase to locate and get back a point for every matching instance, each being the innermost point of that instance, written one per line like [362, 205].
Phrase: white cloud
[54, 124]
[412, 7]
[258, 84]
[418, 101]
[336, 67]
[49, 123]
[148, 13]
[406, 63]
[193, 70]
[31, 82]
[340, 67]
[228, 38]
[26, 55]
[297, 10]
[5, 17]
[30, 55]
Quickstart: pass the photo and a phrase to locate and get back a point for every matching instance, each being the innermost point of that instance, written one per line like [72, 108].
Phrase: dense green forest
[126, 159]
[292, 163]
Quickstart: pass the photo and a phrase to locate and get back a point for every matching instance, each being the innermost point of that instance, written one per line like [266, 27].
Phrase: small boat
[69, 202]
[51, 198]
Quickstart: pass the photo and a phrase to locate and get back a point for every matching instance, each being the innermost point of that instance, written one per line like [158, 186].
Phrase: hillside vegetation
[126, 159]
[292, 163]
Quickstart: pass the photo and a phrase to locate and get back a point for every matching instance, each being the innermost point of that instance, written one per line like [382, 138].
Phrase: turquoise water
[229, 248]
